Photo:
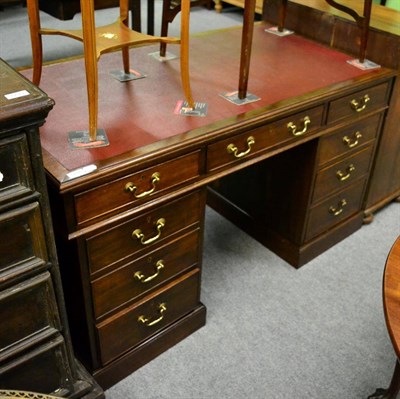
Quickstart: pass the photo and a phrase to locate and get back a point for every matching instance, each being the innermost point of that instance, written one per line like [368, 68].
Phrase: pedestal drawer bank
[291, 169]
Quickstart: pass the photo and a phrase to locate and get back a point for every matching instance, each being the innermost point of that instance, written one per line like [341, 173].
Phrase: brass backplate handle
[143, 279]
[352, 142]
[342, 176]
[140, 236]
[339, 209]
[148, 322]
[131, 188]
[232, 149]
[361, 104]
[293, 128]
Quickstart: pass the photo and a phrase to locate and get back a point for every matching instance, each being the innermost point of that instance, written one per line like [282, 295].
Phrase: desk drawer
[21, 228]
[140, 277]
[358, 103]
[144, 319]
[342, 174]
[124, 193]
[349, 139]
[144, 232]
[256, 141]
[15, 169]
[335, 209]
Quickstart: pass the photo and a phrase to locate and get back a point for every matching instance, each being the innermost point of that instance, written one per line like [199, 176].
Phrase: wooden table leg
[394, 388]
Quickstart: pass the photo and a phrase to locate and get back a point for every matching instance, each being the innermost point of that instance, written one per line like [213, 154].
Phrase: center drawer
[137, 278]
[132, 326]
[118, 244]
[256, 141]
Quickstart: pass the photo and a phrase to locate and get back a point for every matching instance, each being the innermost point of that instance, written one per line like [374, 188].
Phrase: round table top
[391, 295]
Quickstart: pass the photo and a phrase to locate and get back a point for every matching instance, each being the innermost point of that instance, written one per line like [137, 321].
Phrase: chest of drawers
[35, 347]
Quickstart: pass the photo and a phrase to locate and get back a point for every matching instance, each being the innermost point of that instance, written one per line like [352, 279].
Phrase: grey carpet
[272, 331]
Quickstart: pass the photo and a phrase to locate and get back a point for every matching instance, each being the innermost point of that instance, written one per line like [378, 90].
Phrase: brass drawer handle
[131, 188]
[342, 176]
[140, 236]
[232, 149]
[337, 211]
[352, 143]
[147, 322]
[143, 279]
[292, 127]
[361, 104]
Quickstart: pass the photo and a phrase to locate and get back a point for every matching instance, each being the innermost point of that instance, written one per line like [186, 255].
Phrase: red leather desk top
[141, 112]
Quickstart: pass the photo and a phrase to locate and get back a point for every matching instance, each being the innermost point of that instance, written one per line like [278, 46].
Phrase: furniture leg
[165, 20]
[282, 15]
[184, 56]
[135, 7]
[247, 38]
[394, 388]
[124, 15]
[150, 17]
[89, 49]
[36, 39]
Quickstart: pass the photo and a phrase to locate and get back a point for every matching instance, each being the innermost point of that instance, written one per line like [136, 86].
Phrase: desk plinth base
[151, 348]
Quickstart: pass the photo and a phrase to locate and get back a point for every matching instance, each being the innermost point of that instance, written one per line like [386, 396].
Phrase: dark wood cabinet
[35, 347]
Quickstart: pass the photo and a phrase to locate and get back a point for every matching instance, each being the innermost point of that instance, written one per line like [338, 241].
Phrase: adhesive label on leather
[183, 108]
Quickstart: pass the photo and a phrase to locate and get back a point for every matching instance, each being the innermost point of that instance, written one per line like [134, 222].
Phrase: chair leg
[36, 39]
[184, 56]
[165, 20]
[124, 15]
[89, 48]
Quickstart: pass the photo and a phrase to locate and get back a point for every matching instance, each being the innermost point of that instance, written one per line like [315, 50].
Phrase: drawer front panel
[126, 192]
[335, 209]
[139, 277]
[348, 140]
[27, 310]
[256, 141]
[150, 316]
[356, 104]
[26, 372]
[143, 233]
[15, 169]
[22, 228]
[342, 174]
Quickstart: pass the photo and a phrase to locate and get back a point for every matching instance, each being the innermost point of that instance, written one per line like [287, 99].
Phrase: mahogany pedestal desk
[291, 168]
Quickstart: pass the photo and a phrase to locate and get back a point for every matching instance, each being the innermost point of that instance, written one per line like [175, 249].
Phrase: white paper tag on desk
[366, 65]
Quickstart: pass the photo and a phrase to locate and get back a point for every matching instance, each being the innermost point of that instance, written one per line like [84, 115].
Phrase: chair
[362, 21]
[100, 40]
[171, 9]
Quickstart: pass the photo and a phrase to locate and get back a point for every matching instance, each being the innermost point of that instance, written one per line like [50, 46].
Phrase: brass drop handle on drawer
[293, 128]
[148, 322]
[131, 188]
[143, 279]
[232, 149]
[337, 211]
[342, 176]
[352, 143]
[140, 236]
[361, 104]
